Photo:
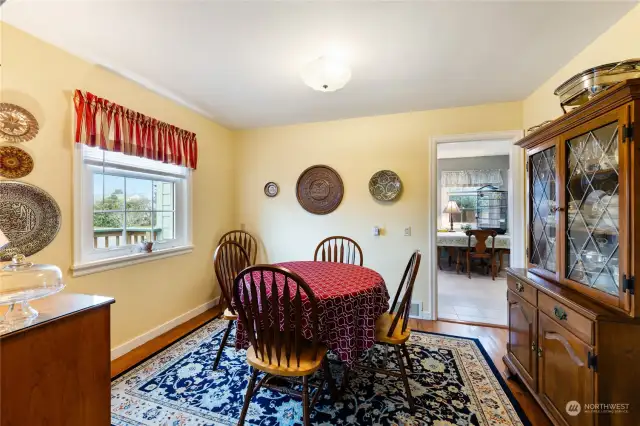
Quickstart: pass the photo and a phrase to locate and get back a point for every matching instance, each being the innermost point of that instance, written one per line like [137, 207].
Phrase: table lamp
[451, 208]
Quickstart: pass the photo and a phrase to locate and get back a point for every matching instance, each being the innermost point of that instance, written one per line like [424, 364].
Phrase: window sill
[128, 260]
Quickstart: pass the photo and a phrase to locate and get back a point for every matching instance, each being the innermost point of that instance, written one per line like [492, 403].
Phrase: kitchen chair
[228, 260]
[479, 251]
[392, 327]
[340, 250]
[272, 316]
[246, 240]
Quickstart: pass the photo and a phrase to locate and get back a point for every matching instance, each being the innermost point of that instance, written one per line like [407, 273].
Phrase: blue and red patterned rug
[454, 384]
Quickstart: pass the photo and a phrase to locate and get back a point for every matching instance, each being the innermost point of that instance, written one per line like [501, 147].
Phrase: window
[466, 198]
[124, 200]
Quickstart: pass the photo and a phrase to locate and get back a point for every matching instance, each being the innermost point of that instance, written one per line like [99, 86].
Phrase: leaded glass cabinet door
[594, 193]
[543, 217]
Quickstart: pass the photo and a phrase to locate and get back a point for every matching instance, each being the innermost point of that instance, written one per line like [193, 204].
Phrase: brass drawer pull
[559, 313]
[519, 287]
[533, 346]
[539, 352]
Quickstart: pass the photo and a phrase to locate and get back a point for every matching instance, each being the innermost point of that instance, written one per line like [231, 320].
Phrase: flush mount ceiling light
[326, 74]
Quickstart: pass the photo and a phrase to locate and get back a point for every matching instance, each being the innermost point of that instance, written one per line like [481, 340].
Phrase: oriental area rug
[454, 383]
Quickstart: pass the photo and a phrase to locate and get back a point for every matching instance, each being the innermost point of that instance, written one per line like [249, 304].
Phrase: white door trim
[516, 188]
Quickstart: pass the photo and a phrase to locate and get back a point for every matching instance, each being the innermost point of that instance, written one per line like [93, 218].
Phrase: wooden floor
[494, 341]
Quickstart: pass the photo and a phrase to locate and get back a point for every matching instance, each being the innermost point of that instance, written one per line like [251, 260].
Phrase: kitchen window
[124, 202]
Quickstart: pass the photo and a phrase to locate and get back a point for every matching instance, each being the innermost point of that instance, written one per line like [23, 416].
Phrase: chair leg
[247, 398]
[223, 344]
[305, 401]
[405, 380]
[458, 263]
[438, 251]
[333, 390]
[407, 357]
[468, 266]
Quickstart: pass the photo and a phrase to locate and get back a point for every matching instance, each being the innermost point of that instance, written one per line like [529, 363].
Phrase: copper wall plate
[16, 123]
[29, 217]
[319, 189]
[14, 162]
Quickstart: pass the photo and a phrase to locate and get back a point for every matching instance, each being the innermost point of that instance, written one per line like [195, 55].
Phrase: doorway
[477, 184]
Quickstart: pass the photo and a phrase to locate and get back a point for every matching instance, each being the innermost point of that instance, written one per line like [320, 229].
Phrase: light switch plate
[376, 231]
[407, 231]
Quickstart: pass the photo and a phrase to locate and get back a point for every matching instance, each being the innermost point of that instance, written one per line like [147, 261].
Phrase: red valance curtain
[113, 127]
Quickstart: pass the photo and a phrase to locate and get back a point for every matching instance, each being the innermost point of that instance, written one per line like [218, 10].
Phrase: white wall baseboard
[155, 332]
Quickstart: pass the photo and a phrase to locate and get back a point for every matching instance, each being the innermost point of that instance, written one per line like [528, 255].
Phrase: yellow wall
[356, 148]
[622, 41]
[41, 78]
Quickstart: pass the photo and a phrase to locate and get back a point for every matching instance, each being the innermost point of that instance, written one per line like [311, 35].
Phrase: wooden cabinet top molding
[606, 101]
[59, 306]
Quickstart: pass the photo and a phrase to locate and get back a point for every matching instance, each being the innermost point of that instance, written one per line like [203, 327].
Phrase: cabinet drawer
[567, 317]
[522, 289]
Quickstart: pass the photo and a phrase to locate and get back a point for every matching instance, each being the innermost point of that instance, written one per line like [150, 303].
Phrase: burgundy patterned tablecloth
[350, 299]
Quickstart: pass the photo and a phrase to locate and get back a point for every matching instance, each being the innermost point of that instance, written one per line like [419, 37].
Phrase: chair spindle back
[228, 260]
[340, 250]
[271, 302]
[246, 240]
[404, 304]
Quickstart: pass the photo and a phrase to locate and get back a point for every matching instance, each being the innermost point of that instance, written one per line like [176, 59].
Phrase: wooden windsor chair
[228, 260]
[270, 302]
[392, 328]
[340, 250]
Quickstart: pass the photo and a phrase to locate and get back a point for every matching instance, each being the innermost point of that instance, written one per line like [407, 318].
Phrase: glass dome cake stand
[21, 282]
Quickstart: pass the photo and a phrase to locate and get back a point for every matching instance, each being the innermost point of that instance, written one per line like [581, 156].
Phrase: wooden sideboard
[565, 347]
[56, 370]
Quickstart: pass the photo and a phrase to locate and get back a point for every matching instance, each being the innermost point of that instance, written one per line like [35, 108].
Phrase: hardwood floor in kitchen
[494, 341]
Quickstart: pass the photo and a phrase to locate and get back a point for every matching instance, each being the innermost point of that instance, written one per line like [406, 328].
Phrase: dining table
[459, 239]
[349, 298]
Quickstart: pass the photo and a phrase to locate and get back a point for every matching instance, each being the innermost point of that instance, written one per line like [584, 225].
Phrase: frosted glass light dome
[326, 74]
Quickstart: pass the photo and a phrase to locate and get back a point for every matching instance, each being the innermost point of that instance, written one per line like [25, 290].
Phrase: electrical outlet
[407, 231]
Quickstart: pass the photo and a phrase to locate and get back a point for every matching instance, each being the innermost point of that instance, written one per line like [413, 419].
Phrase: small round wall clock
[271, 189]
[14, 162]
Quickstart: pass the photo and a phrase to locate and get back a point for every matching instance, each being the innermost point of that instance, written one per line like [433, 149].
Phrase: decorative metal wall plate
[16, 123]
[319, 189]
[14, 162]
[271, 189]
[29, 217]
[385, 185]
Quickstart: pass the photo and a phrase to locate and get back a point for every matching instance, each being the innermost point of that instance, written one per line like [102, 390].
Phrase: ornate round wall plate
[319, 189]
[14, 162]
[271, 189]
[385, 185]
[29, 217]
[16, 123]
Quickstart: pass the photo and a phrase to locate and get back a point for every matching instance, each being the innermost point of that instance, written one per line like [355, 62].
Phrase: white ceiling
[474, 149]
[238, 62]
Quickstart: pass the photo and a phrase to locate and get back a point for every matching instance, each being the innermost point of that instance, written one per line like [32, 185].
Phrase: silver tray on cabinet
[580, 88]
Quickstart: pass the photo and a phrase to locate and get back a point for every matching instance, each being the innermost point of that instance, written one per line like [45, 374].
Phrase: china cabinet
[574, 320]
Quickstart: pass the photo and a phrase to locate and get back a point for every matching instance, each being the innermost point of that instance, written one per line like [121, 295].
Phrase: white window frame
[88, 259]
